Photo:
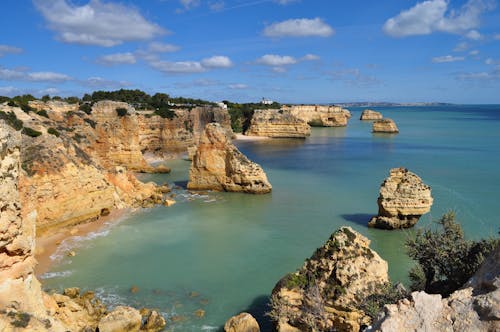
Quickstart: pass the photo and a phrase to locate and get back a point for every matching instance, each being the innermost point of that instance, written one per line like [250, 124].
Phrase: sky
[290, 51]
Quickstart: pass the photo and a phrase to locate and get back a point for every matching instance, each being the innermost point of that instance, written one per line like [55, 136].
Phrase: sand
[241, 137]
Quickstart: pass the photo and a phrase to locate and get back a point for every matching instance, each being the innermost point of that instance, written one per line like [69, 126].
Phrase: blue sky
[295, 51]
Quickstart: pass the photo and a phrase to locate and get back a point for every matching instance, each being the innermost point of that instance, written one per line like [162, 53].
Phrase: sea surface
[224, 252]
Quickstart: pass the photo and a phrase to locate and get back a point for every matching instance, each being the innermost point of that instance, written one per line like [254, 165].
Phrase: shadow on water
[183, 184]
[258, 309]
[358, 218]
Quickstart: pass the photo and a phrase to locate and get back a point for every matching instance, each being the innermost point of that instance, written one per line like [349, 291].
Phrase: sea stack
[385, 126]
[219, 165]
[278, 124]
[371, 115]
[403, 199]
[329, 288]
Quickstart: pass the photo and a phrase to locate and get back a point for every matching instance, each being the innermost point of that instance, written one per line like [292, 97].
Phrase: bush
[85, 107]
[91, 122]
[31, 132]
[374, 303]
[11, 120]
[53, 131]
[43, 113]
[121, 111]
[446, 260]
[12, 103]
[165, 112]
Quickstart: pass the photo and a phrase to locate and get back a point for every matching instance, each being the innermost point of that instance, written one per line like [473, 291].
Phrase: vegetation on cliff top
[241, 114]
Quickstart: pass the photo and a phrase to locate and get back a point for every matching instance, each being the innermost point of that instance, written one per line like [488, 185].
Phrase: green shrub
[388, 294]
[165, 112]
[53, 131]
[11, 120]
[12, 103]
[446, 260]
[21, 319]
[43, 113]
[31, 132]
[3, 99]
[121, 111]
[91, 122]
[86, 107]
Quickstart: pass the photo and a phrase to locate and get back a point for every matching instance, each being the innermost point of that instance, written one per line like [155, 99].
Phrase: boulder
[154, 322]
[243, 322]
[278, 124]
[326, 293]
[371, 115]
[122, 319]
[403, 199]
[219, 165]
[385, 126]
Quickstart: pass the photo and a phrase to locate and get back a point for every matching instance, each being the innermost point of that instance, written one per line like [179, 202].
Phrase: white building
[265, 101]
[222, 105]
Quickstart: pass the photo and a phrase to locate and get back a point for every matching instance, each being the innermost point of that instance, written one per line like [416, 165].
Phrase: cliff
[475, 307]
[325, 294]
[385, 126]
[219, 165]
[403, 199]
[320, 116]
[371, 115]
[277, 123]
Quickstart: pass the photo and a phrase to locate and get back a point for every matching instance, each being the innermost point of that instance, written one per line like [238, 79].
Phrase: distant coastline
[389, 104]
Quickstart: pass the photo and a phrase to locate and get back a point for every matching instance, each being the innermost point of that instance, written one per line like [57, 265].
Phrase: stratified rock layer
[324, 295]
[371, 115]
[476, 307]
[243, 322]
[277, 123]
[403, 199]
[219, 165]
[319, 115]
[385, 126]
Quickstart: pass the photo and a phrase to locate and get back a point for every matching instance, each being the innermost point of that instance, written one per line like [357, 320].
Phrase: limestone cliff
[277, 123]
[403, 199]
[475, 307]
[219, 165]
[319, 115]
[385, 126]
[371, 115]
[325, 294]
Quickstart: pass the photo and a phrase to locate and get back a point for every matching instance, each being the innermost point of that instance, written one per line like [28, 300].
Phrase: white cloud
[301, 27]
[463, 46]
[99, 82]
[238, 86]
[217, 6]
[24, 75]
[447, 58]
[285, 2]
[9, 91]
[117, 59]
[310, 57]
[474, 35]
[179, 67]
[474, 52]
[6, 49]
[96, 23]
[276, 60]
[496, 36]
[353, 77]
[188, 4]
[217, 61]
[434, 15]
[157, 47]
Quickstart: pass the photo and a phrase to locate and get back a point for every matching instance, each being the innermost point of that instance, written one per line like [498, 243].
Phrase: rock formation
[371, 115]
[475, 307]
[385, 126]
[243, 322]
[277, 123]
[403, 199]
[325, 294]
[319, 115]
[219, 165]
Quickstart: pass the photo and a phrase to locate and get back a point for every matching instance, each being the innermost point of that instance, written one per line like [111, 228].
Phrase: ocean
[224, 252]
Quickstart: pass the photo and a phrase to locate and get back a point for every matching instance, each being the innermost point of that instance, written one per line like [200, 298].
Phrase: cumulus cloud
[178, 67]
[285, 2]
[188, 4]
[217, 61]
[463, 46]
[310, 57]
[99, 82]
[96, 23]
[117, 59]
[300, 27]
[496, 36]
[447, 58]
[434, 15]
[157, 47]
[276, 60]
[474, 35]
[238, 86]
[474, 52]
[24, 75]
[6, 49]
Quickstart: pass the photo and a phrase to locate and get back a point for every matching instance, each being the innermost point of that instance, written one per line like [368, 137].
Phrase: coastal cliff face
[475, 307]
[219, 165]
[403, 199]
[371, 115]
[320, 116]
[385, 126]
[325, 294]
[166, 137]
[277, 123]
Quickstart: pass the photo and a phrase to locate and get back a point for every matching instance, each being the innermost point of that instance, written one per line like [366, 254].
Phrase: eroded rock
[385, 126]
[277, 123]
[243, 322]
[320, 115]
[121, 319]
[371, 115]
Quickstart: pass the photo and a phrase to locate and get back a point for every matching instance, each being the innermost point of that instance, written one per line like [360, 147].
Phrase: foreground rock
[243, 322]
[219, 165]
[325, 294]
[385, 126]
[320, 115]
[403, 199]
[371, 115]
[122, 319]
[476, 307]
[277, 124]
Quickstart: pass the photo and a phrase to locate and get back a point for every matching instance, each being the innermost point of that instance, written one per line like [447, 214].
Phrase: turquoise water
[231, 249]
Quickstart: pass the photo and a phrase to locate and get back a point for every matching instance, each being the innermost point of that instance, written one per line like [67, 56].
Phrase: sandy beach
[241, 137]
[48, 243]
